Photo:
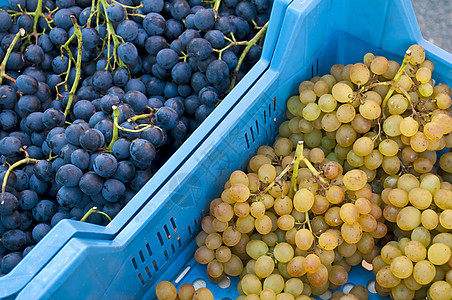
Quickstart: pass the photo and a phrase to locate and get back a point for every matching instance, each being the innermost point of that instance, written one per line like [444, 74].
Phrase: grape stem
[78, 66]
[260, 34]
[283, 172]
[296, 165]
[26, 160]
[216, 6]
[406, 61]
[311, 167]
[115, 128]
[408, 97]
[94, 210]
[8, 53]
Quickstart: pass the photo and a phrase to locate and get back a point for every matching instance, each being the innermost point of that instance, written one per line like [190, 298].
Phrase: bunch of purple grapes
[94, 99]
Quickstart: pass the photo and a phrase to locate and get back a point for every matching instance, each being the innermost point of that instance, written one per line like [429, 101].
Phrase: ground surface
[435, 20]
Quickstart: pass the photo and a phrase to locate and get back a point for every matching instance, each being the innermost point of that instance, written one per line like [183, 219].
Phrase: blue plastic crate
[34, 263]
[158, 243]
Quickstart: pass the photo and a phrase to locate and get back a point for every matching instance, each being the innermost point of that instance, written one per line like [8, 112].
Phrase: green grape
[355, 180]
[327, 103]
[234, 266]
[215, 269]
[440, 290]
[445, 219]
[370, 110]
[424, 272]
[293, 125]
[345, 113]
[373, 160]
[231, 237]
[363, 146]
[286, 222]
[342, 92]
[419, 142]
[303, 200]
[311, 112]
[359, 74]
[267, 294]
[391, 125]
[351, 233]
[393, 67]
[257, 161]
[445, 162]
[328, 241]
[401, 267]
[294, 105]
[165, 290]
[294, 286]
[345, 135]
[391, 165]
[429, 219]
[256, 248]
[328, 143]
[284, 130]
[213, 241]
[421, 235]
[296, 137]
[223, 254]
[238, 193]
[420, 198]
[283, 252]
[438, 254]
[186, 291]
[425, 89]
[318, 278]
[330, 122]
[433, 131]
[307, 96]
[264, 266]
[274, 282]
[305, 126]
[397, 104]
[251, 284]
[313, 139]
[408, 126]
[442, 198]
[204, 255]
[379, 65]
[407, 182]
[349, 213]
[266, 173]
[283, 147]
[443, 100]
[398, 197]
[320, 88]
[388, 147]
[408, 218]
[386, 279]
[401, 292]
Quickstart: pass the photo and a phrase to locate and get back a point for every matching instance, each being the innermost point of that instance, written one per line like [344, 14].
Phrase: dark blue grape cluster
[94, 100]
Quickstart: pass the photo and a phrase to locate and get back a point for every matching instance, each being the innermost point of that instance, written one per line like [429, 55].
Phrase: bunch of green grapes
[416, 267]
[375, 115]
[292, 227]
[165, 290]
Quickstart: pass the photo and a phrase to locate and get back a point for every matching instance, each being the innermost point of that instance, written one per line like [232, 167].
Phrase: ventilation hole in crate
[168, 235]
[160, 238]
[154, 263]
[367, 266]
[265, 117]
[257, 128]
[173, 249]
[274, 104]
[148, 272]
[141, 278]
[179, 242]
[199, 283]
[134, 263]
[166, 254]
[269, 110]
[182, 274]
[189, 230]
[312, 71]
[174, 224]
[148, 248]
[252, 133]
[347, 287]
[225, 283]
[141, 256]
[371, 287]
[317, 67]
[196, 223]
[326, 295]
[246, 139]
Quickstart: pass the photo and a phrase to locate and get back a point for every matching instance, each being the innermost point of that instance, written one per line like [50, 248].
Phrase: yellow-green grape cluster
[375, 115]
[290, 243]
[416, 267]
[165, 290]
